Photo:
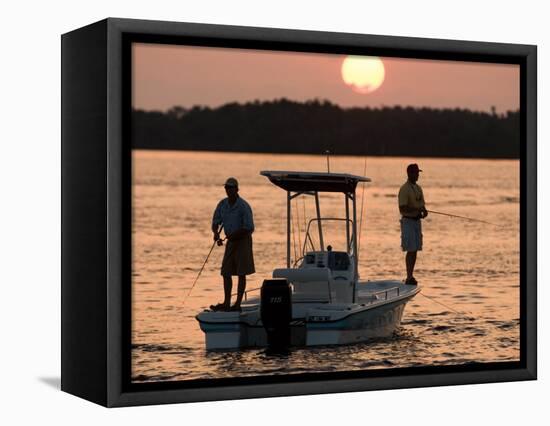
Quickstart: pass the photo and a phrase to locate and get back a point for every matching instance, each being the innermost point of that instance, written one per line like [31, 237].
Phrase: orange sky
[169, 75]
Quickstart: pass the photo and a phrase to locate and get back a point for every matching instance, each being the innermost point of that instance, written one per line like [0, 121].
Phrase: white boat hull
[313, 324]
[369, 324]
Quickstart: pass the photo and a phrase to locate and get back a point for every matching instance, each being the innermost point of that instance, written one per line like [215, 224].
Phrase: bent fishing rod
[463, 217]
[219, 242]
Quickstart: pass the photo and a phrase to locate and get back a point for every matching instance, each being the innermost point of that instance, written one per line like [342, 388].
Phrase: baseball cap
[231, 182]
[413, 168]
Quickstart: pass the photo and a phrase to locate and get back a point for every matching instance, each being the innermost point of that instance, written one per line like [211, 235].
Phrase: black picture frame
[96, 200]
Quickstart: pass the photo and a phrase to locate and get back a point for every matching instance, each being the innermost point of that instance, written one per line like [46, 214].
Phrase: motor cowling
[276, 311]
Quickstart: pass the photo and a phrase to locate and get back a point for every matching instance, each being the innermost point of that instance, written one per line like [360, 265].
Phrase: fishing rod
[463, 217]
[219, 242]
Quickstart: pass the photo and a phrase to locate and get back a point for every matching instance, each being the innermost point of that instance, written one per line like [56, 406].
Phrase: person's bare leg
[227, 287]
[240, 291]
[410, 260]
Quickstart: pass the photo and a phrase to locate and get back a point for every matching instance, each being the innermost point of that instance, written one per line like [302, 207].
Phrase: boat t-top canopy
[311, 183]
[314, 181]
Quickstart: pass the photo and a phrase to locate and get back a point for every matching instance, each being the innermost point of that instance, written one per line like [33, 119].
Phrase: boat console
[323, 276]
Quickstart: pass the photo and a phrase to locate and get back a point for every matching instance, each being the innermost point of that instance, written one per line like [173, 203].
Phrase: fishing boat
[318, 298]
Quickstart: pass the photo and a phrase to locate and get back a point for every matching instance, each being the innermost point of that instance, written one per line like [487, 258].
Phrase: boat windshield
[334, 235]
[338, 261]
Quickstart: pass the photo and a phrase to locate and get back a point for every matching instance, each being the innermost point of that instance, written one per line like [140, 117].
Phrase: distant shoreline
[323, 155]
[312, 127]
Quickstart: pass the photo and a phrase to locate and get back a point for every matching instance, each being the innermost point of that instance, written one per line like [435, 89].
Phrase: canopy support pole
[288, 198]
[319, 221]
[355, 254]
[348, 242]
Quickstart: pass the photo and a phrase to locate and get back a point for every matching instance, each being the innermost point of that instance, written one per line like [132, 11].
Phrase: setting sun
[364, 74]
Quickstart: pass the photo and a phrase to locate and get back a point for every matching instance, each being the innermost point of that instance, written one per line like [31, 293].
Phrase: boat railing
[376, 293]
[375, 296]
[385, 292]
[247, 291]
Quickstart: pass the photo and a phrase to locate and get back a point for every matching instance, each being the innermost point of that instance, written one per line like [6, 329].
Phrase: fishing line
[448, 307]
[220, 241]
[464, 217]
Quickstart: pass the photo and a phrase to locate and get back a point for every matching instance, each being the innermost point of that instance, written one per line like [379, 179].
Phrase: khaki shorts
[238, 258]
[411, 234]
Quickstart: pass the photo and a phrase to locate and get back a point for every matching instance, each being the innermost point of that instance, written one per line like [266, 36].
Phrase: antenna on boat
[328, 160]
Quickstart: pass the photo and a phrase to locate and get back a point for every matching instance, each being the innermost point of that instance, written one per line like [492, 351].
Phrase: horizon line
[327, 101]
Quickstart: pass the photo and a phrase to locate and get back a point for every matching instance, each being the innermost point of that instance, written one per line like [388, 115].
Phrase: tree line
[312, 127]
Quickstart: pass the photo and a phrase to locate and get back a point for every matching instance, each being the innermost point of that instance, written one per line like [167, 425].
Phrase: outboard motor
[276, 311]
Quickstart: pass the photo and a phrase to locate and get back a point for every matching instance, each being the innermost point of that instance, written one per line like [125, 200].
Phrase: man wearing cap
[412, 208]
[235, 215]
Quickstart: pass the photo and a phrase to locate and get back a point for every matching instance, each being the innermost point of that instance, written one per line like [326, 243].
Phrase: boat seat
[303, 275]
[310, 297]
[309, 284]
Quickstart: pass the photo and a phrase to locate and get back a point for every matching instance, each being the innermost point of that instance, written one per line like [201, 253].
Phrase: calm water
[470, 267]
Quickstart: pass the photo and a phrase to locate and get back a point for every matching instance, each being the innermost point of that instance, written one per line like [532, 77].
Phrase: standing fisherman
[236, 216]
[412, 208]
